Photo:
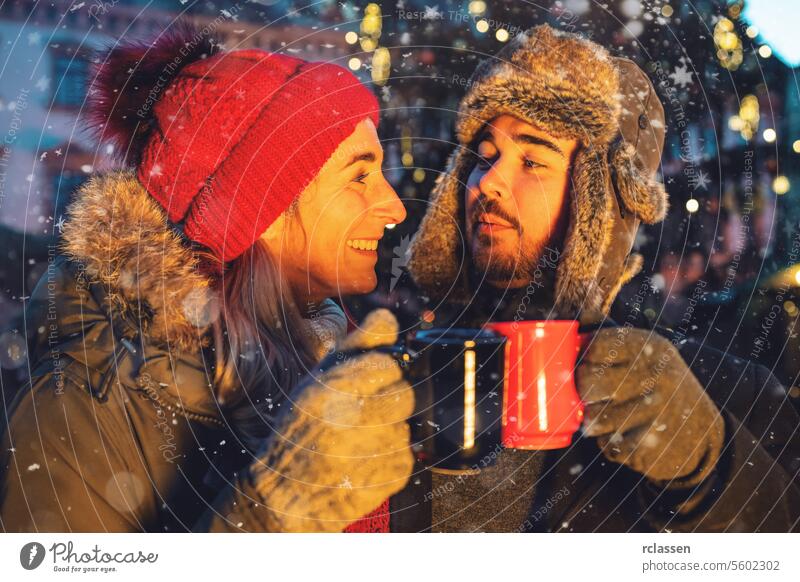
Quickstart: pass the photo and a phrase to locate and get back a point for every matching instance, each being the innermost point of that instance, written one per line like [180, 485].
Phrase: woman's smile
[363, 244]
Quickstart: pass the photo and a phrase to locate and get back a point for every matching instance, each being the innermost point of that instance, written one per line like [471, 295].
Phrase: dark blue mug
[457, 377]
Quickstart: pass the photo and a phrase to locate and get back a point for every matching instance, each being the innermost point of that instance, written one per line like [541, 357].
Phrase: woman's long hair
[260, 341]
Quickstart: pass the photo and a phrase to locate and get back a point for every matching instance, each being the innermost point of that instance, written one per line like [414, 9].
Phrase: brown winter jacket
[118, 429]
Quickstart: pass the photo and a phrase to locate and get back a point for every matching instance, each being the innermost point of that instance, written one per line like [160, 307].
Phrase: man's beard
[525, 263]
[504, 267]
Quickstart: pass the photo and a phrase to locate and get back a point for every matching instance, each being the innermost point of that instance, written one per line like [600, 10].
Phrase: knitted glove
[343, 446]
[647, 409]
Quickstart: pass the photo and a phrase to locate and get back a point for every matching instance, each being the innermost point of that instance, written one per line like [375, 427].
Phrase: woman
[171, 374]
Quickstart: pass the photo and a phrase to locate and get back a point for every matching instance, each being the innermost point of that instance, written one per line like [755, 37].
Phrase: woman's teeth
[362, 244]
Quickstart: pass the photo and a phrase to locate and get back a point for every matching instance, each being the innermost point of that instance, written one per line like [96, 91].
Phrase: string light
[764, 51]
[746, 123]
[796, 146]
[371, 27]
[728, 43]
[351, 37]
[354, 64]
[477, 7]
[781, 185]
[692, 205]
[381, 66]
[481, 26]
[769, 135]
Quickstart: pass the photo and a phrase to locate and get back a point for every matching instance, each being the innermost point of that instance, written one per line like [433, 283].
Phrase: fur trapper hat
[572, 88]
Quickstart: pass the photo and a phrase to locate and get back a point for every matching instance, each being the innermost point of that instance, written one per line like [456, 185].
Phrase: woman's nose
[389, 208]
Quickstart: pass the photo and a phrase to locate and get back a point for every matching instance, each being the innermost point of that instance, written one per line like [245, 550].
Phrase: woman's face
[326, 245]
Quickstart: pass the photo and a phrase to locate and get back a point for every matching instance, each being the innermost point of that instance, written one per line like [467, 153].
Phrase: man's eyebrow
[363, 157]
[528, 139]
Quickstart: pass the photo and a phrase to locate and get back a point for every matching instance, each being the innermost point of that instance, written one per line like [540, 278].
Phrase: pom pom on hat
[127, 79]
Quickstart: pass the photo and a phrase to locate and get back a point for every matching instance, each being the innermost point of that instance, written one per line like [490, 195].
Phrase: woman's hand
[342, 446]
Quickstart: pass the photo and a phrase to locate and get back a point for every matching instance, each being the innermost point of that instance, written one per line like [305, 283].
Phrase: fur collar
[123, 240]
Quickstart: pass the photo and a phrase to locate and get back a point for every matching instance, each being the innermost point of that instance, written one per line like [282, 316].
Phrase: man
[535, 218]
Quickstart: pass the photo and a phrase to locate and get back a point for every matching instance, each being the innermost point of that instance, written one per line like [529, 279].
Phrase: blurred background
[727, 257]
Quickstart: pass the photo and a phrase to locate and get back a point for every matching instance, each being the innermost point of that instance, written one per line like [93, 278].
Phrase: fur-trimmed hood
[121, 237]
[569, 87]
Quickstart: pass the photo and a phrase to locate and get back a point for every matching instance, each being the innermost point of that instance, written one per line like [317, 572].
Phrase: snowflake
[681, 76]
[156, 170]
[34, 38]
[43, 83]
[432, 13]
[699, 180]
[346, 484]
[641, 239]
[60, 224]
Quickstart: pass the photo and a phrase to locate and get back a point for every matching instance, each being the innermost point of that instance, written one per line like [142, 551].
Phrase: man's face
[516, 201]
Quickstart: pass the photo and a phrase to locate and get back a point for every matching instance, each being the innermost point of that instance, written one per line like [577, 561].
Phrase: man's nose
[495, 183]
[388, 205]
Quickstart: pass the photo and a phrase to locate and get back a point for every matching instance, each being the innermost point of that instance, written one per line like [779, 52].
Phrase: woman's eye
[531, 163]
[361, 179]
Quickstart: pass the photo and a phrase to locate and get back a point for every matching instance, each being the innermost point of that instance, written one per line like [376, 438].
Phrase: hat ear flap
[642, 194]
[588, 234]
[435, 255]
[631, 268]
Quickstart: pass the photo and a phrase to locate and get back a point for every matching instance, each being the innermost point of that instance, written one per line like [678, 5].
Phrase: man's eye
[483, 163]
[361, 179]
[529, 163]
[486, 152]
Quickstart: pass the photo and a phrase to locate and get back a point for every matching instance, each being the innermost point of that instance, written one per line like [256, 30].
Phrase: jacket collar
[141, 303]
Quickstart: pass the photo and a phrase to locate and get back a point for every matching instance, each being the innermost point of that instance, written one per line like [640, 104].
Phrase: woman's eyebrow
[363, 157]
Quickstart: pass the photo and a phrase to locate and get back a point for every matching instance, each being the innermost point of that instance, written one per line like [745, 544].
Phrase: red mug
[541, 406]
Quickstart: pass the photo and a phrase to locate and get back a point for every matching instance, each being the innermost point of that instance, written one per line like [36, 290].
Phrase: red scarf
[377, 521]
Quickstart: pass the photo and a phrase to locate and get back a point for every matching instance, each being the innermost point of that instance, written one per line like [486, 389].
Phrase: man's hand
[647, 409]
[343, 444]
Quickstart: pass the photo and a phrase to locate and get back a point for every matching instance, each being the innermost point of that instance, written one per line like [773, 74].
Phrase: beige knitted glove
[647, 409]
[343, 446]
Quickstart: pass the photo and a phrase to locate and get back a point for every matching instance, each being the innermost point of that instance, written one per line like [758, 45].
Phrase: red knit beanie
[224, 141]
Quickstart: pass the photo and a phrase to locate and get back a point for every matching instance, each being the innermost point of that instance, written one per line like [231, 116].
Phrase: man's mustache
[492, 207]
